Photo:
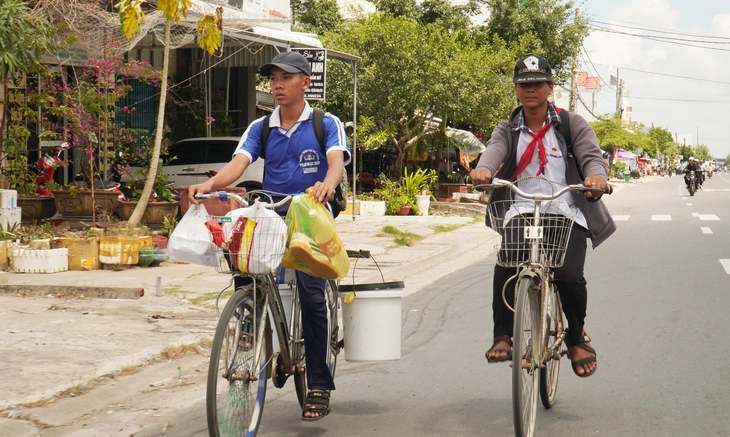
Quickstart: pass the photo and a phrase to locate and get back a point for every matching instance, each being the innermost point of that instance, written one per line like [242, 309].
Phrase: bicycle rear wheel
[525, 374]
[549, 374]
[298, 353]
[237, 371]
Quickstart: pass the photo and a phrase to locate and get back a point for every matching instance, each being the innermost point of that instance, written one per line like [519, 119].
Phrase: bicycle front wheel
[525, 373]
[549, 374]
[237, 371]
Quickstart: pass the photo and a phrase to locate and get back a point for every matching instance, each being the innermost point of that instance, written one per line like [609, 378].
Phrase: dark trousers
[315, 327]
[571, 285]
[316, 330]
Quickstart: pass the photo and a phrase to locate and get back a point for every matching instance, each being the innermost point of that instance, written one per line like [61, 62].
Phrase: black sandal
[317, 402]
[500, 339]
[584, 361]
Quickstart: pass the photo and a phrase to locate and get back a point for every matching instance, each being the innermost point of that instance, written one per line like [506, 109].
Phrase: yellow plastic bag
[313, 246]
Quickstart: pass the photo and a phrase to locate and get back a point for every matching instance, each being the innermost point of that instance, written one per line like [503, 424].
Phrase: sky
[678, 86]
[681, 88]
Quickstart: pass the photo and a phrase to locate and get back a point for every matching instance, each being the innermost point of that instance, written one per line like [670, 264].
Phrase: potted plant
[18, 173]
[371, 205]
[33, 253]
[82, 245]
[418, 185]
[162, 203]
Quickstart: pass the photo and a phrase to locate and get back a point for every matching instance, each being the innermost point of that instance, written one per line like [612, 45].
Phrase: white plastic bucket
[285, 292]
[372, 322]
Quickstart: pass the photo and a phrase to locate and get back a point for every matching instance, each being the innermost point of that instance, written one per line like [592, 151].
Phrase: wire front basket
[515, 232]
[252, 245]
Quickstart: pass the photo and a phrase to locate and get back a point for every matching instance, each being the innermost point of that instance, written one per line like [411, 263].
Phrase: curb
[61, 291]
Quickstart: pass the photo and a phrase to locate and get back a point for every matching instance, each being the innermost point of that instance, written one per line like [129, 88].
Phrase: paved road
[657, 315]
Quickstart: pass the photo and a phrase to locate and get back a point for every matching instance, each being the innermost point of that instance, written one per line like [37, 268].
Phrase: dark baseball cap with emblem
[532, 68]
[291, 62]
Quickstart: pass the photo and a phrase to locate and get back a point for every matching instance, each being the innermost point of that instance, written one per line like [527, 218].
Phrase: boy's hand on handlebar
[480, 176]
[197, 189]
[595, 182]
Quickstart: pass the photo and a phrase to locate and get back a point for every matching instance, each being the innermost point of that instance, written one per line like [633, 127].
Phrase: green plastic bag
[313, 246]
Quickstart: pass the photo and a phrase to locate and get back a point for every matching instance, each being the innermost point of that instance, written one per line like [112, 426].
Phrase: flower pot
[159, 241]
[26, 260]
[372, 207]
[146, 256]
[154, 214]
[3, 254]
[423, 202]
[119, 250]
[159, 257]
[404, 210]
[78, 204]
[36, 208]
[83, 253]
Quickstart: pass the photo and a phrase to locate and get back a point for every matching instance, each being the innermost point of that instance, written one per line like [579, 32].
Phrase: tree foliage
[664, 141]
[548, 27]
[702, 152]
[316, 16]
[24, 37]
[411, 73]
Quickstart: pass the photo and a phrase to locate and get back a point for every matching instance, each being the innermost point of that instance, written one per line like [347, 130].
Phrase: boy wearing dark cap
[530, 144]
[294, 164]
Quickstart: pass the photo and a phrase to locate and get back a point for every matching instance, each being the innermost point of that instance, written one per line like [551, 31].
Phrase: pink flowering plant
[88, 100]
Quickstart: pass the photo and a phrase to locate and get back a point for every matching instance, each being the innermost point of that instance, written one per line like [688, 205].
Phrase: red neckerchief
[527, 156]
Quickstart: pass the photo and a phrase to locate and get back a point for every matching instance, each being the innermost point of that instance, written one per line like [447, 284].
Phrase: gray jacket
[502, 150]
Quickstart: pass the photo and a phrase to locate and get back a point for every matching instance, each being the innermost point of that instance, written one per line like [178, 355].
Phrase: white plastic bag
[191, 241]
[262, 251]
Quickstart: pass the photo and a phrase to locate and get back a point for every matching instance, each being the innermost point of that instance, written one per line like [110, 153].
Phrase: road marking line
[689, 204]
[620, 218]
[695, 214]
[708, 217]
[726, 265]
[706, 230]
[661, 218]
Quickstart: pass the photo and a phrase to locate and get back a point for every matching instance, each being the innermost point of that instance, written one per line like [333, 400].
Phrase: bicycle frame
[536, 268]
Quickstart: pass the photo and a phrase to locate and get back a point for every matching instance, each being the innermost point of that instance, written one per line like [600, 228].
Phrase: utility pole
[619, 93]
[573, 83]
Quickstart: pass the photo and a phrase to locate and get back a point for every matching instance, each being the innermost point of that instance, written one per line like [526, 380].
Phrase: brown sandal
[508, 352]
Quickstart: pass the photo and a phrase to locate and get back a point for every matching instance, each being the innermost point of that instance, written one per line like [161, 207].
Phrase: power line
[673, 75]
[722, 39]
[680, 100]
[655, 29]
[596, 69]
[658, 39]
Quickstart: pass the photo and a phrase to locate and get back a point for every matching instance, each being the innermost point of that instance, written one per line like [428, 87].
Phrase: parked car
[197, 159]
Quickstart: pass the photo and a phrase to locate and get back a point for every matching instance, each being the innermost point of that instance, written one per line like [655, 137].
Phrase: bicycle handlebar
[540, 196]
[224, 195]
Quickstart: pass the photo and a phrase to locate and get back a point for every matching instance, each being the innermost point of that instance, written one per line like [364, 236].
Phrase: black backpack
[338, 201]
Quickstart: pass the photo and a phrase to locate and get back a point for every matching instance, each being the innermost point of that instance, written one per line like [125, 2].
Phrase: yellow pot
[83, 253]
[119, 250]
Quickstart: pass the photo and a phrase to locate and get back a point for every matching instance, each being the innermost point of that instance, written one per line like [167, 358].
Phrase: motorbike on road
[691, 180]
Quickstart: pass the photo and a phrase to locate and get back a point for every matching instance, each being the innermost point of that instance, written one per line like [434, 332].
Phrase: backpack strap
[564, 131]
[265, 131]
[317, 124]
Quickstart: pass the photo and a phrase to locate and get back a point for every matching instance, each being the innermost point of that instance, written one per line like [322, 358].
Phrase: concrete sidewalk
[60, 345]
